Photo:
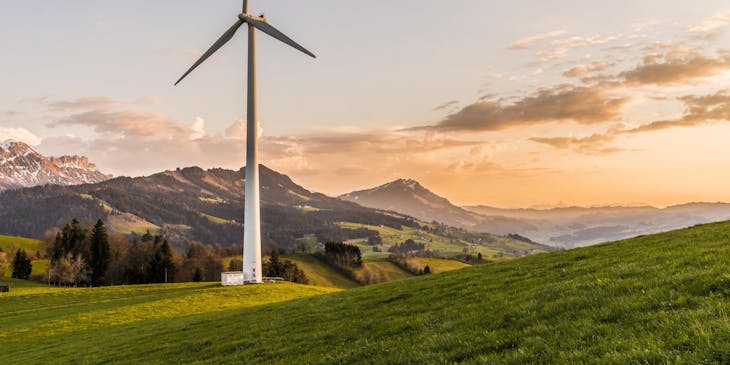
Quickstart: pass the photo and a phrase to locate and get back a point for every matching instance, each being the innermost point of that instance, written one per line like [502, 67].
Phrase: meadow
[654, 299]
[10, 243]
[447, 247]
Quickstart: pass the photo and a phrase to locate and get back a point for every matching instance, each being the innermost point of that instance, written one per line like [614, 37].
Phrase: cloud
[714, 23]
[198, 128]
[675, 69]
[91, 102]
[19, 134]
[140, 142]
[699, 110]
[565, 103]
[601, 100]
[581, 70]
[560, 47]
[446, 105]
[593, 144]
[369, 142]
[132, 123]
[527, 42]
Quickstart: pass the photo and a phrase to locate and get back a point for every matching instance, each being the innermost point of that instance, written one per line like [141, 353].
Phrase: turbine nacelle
[246, 17]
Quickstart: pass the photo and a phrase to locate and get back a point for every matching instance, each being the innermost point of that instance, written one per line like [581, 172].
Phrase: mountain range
[193, 204]
[21, 166]
[205, 205]
[559, 227]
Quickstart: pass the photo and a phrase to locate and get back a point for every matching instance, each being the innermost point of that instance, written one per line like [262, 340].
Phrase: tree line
[285, 269]
[342, 257]
[406, 263]
[408, 246]
[91, 256]
[342, 254]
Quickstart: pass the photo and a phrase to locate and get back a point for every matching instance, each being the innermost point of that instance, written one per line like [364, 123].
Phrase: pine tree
[99, 255]
[22, 266]
[57, 250]
[168, 261]
[197, 275]
[71, 240]
[162, 265]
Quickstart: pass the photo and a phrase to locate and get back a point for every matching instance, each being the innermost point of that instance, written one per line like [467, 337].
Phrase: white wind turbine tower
[252, 213]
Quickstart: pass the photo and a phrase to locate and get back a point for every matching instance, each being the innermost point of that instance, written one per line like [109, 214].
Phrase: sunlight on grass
[654, 299]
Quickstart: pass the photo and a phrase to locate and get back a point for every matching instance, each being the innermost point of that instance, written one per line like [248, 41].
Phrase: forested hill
[191, 204]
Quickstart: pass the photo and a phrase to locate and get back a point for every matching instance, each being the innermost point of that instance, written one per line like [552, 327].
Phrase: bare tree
[69, 270]
[3, 263]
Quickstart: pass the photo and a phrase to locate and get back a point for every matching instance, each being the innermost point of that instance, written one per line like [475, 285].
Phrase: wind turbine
[252, 214]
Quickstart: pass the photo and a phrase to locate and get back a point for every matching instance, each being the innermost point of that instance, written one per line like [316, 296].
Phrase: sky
[523, 103]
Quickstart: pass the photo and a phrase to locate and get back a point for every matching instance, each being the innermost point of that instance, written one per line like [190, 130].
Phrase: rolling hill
[654, 299]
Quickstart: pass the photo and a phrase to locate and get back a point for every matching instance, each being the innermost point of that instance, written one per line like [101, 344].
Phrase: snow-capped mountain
[21, 166]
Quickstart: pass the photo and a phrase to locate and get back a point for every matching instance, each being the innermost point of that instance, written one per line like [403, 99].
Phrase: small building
[232, 278]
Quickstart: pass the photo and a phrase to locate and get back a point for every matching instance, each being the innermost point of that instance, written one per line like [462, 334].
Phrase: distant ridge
[409, 197]
[21, 167]
[565, 227]
[196, 205]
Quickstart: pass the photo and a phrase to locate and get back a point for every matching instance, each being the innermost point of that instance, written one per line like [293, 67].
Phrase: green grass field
[9, 244]
[37, 273]
[382, 270]
[28, 244]
[447, 247]
[656, 299]
[126, 225]
[439, 265]
[115, 313]
[321, 274]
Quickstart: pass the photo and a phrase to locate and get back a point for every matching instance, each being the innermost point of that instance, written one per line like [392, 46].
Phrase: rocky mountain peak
[21, 166]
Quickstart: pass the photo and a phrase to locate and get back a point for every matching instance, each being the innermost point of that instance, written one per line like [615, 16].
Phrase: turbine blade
[270, 30]
[216, 46]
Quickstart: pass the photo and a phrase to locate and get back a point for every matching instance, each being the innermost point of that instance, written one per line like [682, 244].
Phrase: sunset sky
[504, 103]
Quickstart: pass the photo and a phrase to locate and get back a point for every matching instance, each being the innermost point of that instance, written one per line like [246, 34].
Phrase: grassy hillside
[105, 315]
[439, 265]
[28, 244]
[321, 274]
[10, 243]
[492, 246]
[654, 299]
[381, 271]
